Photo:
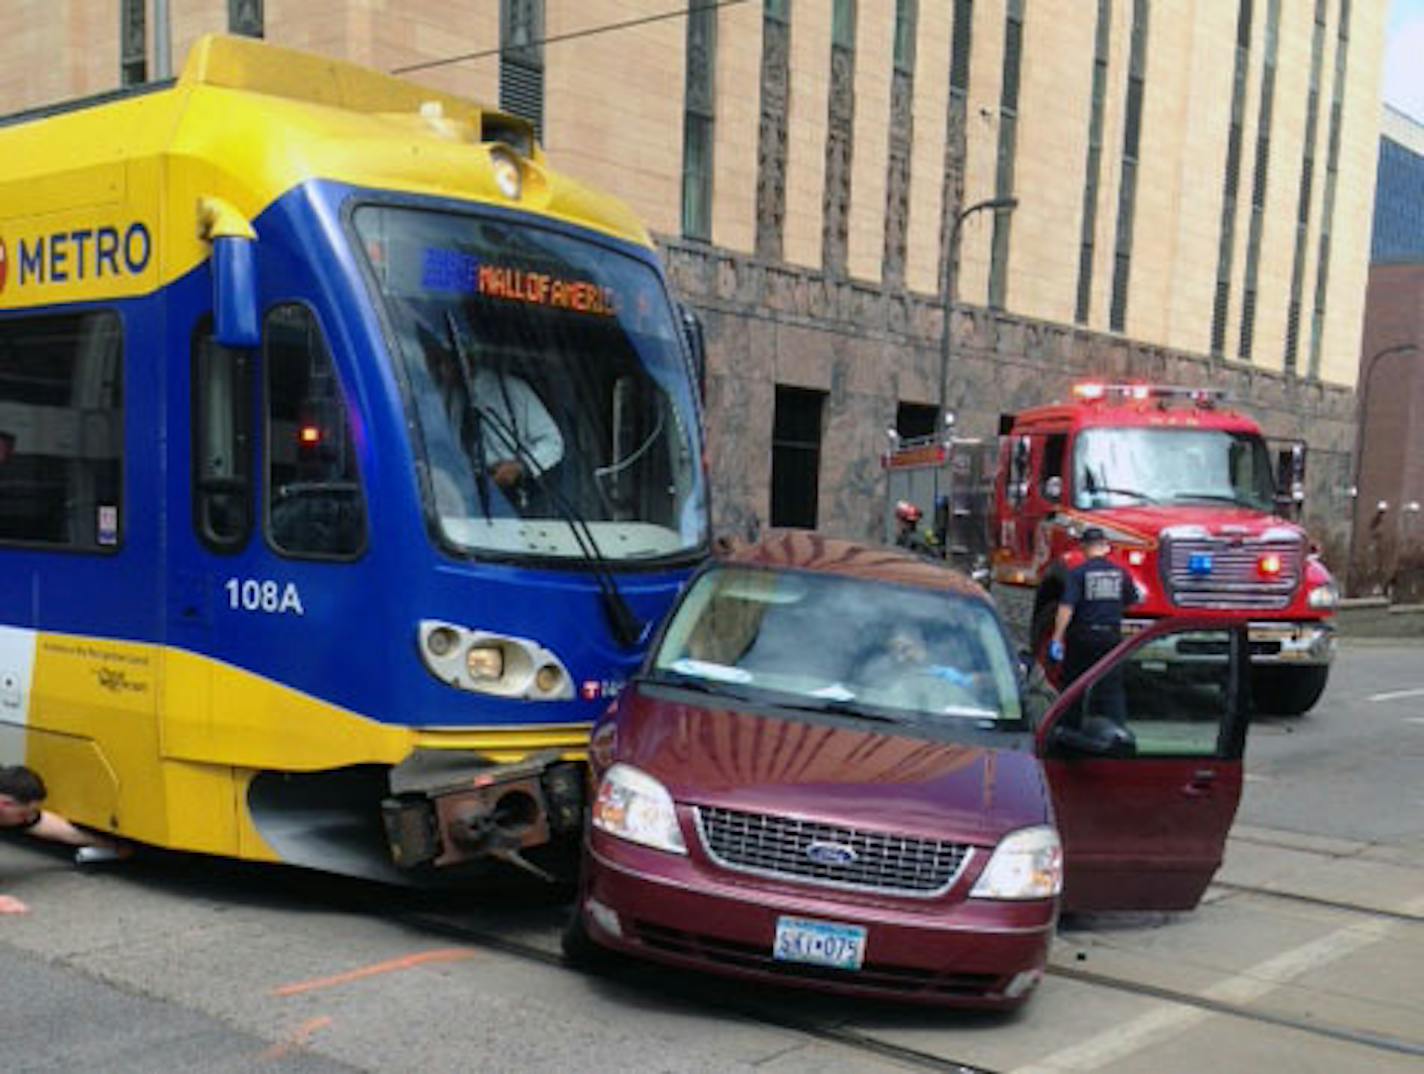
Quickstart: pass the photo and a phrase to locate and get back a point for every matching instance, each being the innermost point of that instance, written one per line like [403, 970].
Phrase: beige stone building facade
[1194, 182]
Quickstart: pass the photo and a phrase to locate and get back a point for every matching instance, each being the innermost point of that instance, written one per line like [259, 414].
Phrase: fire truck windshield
[1126, 467]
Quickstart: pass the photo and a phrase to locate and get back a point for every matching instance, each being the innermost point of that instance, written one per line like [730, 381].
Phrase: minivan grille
[1228, 574]
[849, 857]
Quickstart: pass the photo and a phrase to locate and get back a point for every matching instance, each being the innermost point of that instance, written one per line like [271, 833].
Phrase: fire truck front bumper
[1299, 644]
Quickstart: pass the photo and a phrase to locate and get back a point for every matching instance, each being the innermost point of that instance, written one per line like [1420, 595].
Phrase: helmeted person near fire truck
[907, 531]
[1088, 623]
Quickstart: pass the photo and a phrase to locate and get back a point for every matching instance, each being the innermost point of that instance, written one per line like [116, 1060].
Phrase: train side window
[222, 437]
[315, 507]
[62, 430]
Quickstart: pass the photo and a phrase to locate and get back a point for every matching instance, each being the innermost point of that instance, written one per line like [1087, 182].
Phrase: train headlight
[507, 175]
[491, 662]
[1324, 596]
[441, 641]
[485, 663]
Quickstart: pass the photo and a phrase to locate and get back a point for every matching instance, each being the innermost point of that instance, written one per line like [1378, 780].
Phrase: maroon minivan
[830, 772]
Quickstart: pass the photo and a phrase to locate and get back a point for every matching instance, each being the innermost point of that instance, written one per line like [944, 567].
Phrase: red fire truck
[1198, 508]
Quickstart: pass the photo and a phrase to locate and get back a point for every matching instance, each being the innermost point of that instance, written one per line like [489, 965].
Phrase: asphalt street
[1305, 955]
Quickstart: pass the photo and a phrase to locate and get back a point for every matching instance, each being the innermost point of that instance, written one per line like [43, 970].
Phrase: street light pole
[1363, 404]
[951, 287]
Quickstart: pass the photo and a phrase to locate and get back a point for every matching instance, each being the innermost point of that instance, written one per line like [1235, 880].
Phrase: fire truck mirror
[1018, 470]
[696, 346]
[1053, 489]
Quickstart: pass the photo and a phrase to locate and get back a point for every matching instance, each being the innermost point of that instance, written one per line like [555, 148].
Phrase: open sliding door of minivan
[1143, 755]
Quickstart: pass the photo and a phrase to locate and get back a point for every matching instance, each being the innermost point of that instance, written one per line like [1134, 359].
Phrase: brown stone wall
[869, 348]
[1392, 440]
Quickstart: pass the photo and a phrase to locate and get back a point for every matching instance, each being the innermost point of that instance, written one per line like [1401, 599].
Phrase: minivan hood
[826, 771]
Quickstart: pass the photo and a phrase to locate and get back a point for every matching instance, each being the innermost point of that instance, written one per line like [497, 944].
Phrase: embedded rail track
[460, 927]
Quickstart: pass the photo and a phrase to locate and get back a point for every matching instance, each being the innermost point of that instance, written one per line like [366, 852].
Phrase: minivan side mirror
[1097, 737]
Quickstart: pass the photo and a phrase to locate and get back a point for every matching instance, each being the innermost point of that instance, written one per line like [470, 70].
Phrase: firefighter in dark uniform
[1089, 621]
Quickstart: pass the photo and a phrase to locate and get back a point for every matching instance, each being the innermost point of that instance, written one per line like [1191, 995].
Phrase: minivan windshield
[841, 644]
[1131, 467]
[549, 383]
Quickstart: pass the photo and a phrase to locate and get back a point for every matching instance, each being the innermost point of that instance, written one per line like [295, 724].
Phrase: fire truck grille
[1212, 573]
[812, 853]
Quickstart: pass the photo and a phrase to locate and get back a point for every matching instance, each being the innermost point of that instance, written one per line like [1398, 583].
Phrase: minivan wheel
[1287, 691]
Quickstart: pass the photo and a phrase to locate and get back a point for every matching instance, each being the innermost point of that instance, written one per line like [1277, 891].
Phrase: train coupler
[449, 808]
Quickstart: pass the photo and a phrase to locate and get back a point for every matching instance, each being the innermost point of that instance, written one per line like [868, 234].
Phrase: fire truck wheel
[1287, 691]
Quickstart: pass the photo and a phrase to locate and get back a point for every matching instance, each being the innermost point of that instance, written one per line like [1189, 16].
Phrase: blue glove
[1055, 651]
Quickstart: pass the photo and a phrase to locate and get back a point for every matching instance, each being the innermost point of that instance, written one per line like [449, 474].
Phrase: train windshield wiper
[467, 372]
[627, 627]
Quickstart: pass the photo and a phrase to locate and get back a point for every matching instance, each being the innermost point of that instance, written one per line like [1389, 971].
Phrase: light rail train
[347, 453]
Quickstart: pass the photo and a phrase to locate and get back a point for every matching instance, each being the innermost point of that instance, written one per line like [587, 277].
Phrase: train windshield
[550, 387]
[1130, 467]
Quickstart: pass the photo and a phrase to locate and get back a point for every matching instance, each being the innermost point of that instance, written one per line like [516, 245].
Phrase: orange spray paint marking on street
[299, 1038]
[425, 958]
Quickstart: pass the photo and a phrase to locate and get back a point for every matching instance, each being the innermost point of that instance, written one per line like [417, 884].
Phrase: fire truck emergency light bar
[1092, 391]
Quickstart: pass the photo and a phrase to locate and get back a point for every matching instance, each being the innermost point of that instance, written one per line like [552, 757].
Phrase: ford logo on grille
[824, 853]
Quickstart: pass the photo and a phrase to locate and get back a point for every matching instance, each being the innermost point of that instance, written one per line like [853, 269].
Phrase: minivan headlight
[633, 805]
[1027, 864]
[1324, 596]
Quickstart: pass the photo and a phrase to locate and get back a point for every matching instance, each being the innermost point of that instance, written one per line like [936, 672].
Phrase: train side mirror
[235, 309]
[236, 320]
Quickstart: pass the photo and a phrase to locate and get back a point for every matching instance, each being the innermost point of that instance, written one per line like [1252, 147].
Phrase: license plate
[819, 943]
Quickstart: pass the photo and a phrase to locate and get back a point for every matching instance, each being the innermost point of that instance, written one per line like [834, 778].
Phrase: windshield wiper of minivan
[627, 627]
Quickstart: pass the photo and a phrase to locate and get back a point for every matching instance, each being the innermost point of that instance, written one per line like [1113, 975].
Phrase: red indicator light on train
[310, 436]
[1269, 566]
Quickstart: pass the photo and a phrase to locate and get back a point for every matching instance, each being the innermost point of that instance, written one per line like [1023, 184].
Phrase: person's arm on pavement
[55, 829]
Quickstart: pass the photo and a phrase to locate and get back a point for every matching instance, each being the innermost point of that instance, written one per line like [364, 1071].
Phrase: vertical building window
[521, 60]
[245, 17]
[796, 457]
[906, 19]
[840, 140]
[1232, 181]
[1004, 168]
[901, 140]
[1307, 185]
[1102, 40]
[133, 51]
[1131, 149]
[771, 135]
[1258, 182]
[698, 112]
[1332, 168]
[959, 47]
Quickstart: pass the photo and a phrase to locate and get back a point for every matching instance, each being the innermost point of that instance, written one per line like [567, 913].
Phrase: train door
[264, 591]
